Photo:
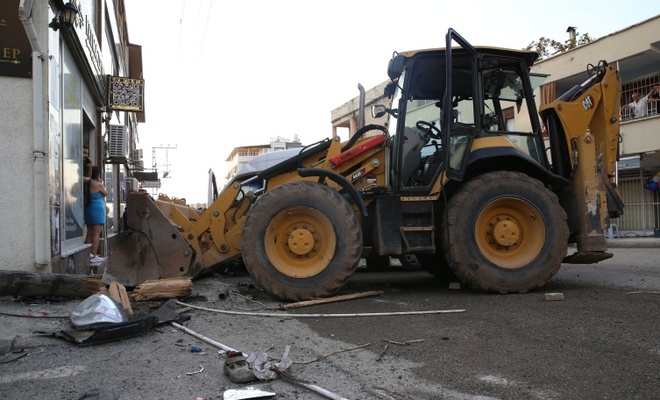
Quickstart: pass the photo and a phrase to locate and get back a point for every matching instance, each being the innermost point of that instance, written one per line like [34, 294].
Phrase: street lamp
[65, 17]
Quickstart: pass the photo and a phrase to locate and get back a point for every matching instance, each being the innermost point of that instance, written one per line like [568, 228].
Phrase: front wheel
[301, 240]
[505, 232]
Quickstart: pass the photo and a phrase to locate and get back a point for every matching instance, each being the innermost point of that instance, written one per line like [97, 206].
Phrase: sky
[222, 74]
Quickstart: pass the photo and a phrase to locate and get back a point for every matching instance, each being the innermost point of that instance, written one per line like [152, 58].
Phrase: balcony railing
[642, 87]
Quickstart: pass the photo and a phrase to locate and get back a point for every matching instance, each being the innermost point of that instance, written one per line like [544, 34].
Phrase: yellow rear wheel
[504, 232]
[510, 232]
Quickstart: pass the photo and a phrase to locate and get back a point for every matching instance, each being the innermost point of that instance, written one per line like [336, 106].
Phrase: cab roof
[528, 56]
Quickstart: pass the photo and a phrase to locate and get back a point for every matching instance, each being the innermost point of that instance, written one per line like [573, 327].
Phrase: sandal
[237, 368]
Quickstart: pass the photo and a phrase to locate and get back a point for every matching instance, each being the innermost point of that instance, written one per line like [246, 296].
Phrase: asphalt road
[601, 342]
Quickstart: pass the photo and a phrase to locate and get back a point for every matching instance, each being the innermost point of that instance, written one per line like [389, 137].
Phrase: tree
[547, 47]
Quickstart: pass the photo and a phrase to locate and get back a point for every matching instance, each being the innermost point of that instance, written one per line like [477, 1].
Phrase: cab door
[460, 108]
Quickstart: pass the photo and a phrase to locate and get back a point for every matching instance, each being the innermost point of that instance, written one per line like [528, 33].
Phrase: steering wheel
[429, 129]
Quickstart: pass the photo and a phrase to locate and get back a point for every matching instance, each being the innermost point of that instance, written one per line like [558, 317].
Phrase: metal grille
[641, 214]
[117, 141]
[643, 87]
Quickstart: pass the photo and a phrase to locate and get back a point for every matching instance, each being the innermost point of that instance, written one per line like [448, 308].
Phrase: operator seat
[411, 154]
[431, 166]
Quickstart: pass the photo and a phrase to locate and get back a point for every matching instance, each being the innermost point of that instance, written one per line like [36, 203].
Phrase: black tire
[436, 265]
[505, 233]
[377, 263]
[301, 240]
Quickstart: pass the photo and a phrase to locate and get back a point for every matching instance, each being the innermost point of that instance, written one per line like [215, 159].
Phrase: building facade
[636, 53]
[65, 87]
[241, 155]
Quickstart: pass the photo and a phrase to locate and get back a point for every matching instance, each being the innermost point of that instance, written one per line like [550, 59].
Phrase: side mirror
[378, 111]
[395, 66]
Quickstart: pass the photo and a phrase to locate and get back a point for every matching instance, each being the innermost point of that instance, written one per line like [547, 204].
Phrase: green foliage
[547, 47]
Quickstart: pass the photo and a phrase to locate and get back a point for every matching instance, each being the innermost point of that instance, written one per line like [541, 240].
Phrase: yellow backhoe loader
[467, 175]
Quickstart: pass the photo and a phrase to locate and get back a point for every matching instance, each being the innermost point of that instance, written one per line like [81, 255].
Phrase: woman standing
[95, 214]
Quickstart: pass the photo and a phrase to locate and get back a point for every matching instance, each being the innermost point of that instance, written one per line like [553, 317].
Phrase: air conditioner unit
[118, 141]
[132, 184]
[137, 154]
[139, 165]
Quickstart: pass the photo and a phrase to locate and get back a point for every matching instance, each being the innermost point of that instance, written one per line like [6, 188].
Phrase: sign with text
[150, 184]
[15, 50]
[125, 94]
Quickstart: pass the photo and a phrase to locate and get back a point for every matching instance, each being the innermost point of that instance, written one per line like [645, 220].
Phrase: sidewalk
[640, 242]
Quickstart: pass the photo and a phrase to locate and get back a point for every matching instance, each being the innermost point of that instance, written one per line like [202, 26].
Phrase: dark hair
[96, 172]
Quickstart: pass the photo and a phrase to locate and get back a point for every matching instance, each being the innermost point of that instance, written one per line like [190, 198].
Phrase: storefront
[55, 103]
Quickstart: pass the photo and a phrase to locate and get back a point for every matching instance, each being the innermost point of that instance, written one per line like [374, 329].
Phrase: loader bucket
[150, 248]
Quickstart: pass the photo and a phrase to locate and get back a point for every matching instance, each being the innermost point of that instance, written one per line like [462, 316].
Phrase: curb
[635, 243]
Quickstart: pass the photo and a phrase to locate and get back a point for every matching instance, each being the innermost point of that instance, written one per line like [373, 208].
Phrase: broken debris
[247, 393]
[554, 297]
[163, 289]
[17, 283]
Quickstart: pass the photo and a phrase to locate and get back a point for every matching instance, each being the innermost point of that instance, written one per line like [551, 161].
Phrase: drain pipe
[41, 214]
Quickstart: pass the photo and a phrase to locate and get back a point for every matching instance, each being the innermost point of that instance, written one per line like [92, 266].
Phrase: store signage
[150, 184]
[125, 94]
[86, 32]
[15, 50]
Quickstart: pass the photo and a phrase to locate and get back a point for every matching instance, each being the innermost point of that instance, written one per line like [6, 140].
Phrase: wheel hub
[510, 232]
[505, 232]
[301, 241]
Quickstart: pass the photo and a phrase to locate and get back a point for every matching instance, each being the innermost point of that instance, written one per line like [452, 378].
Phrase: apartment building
[241, 155]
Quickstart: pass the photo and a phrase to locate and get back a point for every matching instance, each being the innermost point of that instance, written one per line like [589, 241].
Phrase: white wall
[16, 183]
[616, 46]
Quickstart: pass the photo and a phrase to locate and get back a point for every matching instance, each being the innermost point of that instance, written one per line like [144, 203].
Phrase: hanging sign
[125, 94]
[15, 50]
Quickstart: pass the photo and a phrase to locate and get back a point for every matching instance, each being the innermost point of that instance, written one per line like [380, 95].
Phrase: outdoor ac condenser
[132, 184]
[118, 141]
[137, 154]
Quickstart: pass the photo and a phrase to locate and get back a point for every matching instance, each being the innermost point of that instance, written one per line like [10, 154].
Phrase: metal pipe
[40, 181]
[361, 107]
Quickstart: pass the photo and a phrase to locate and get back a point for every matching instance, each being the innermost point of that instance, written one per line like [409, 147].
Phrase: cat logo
[358, 174]
[588, 103]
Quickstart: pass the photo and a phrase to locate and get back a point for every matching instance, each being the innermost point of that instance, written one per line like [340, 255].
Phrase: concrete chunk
[554, 297]
[7, 339]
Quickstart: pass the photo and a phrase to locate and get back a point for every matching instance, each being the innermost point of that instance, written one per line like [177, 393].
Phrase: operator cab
[491, 96]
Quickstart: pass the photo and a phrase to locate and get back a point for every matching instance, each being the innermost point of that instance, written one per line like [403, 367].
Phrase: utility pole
[166, 172]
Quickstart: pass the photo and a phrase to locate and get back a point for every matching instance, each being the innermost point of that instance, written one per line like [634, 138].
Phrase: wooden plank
[113, 292]
[29, 284]
[118, 294]
[125, 301]
[344, 297]
[162, 289]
